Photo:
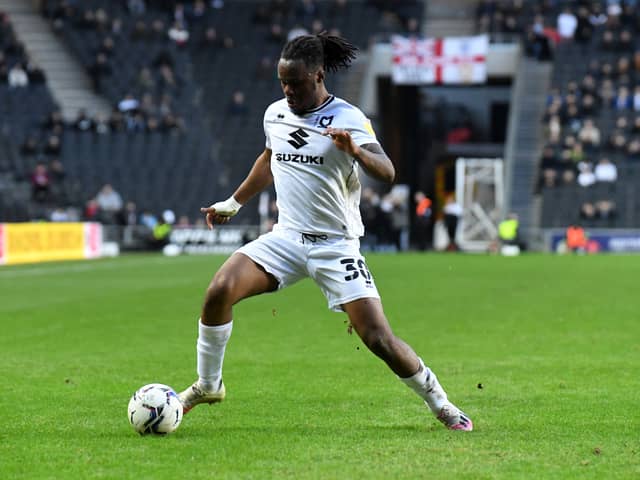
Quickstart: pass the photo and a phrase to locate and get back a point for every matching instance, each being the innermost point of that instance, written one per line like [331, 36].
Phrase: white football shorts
[333, 262]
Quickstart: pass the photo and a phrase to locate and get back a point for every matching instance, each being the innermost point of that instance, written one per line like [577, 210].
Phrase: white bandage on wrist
[228, 207]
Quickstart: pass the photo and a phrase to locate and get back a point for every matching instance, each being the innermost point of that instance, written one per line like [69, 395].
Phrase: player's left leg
[367, 318]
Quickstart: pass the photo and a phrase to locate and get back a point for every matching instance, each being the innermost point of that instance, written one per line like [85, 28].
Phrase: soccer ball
[155, 409]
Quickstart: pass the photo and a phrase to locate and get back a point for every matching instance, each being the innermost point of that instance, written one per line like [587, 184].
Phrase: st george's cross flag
[449, 60]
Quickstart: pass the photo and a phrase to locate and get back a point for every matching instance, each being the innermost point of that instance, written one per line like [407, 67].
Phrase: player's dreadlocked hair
[328, 51]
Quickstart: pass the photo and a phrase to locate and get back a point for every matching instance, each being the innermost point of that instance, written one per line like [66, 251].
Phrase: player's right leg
[239, 278]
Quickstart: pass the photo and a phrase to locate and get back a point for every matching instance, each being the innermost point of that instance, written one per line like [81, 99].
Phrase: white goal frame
[480, 192]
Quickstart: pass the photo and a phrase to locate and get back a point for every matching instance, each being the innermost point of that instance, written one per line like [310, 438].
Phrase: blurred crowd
[17, 69]
[592, 120]
[137, 54]
[592, 116]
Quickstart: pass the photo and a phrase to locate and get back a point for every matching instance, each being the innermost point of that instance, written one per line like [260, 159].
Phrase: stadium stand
[590, 171]
[588, 166]
[174, 140]
[177, 137]
[156, 134]
[24, 98]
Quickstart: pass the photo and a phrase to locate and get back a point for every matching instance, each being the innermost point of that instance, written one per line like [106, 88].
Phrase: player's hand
[221, 212]
[214, 218]
[342, 139]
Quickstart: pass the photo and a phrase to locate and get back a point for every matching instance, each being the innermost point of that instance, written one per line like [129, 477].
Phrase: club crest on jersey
[324, 122]
[298, 136]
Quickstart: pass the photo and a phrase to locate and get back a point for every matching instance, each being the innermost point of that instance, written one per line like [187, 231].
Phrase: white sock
[426, 385]
[212, 342]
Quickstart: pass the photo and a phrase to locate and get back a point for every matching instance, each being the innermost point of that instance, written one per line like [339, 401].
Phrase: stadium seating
[21, 109]
[186, 167]
[217, 148]
[575, 56]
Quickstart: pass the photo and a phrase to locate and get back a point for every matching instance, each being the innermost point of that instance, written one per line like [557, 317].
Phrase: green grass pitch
[554, 343]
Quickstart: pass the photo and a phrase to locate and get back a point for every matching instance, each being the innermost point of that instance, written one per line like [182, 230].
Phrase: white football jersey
[317, 185]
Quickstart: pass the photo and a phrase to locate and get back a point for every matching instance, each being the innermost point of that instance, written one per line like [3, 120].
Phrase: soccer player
[316, 144]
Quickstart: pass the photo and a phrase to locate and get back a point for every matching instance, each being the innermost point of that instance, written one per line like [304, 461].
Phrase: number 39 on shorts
[356, 268]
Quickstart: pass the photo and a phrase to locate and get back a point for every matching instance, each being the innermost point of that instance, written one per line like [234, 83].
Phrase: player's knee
[220, 291]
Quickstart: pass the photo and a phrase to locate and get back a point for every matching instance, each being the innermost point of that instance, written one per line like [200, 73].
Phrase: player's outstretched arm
[371, 156]
[258, 179]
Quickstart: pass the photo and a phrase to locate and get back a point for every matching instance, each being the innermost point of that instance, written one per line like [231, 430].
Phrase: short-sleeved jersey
[317, 184]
